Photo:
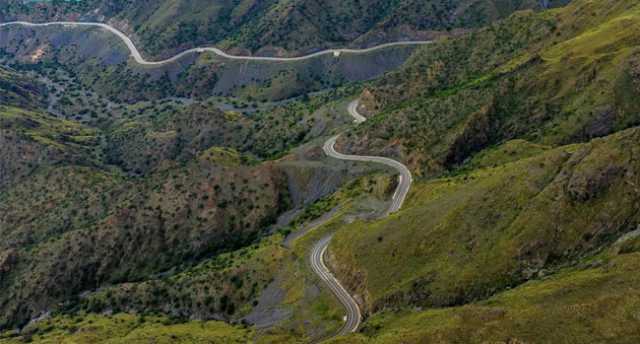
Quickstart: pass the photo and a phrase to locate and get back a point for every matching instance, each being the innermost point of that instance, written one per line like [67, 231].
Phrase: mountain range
[183, 202]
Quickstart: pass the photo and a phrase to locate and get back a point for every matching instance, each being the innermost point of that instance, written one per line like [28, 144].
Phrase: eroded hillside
[273, 26]
[197, 193]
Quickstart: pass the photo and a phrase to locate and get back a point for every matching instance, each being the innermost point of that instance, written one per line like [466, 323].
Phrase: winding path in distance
[139, 59]
[354, 315]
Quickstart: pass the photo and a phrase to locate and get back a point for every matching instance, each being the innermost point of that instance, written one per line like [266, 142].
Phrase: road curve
[135, 53]
[354, 315]
[353, 111]
[404, 179]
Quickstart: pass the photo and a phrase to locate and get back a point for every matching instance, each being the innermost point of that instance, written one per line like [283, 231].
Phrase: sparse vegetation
[137, 204]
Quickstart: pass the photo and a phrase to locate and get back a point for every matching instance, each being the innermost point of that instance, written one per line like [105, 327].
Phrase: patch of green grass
[47, 130]
[508, 152]
[126, 328]
[222, 156]
[466, 237]
[577, 305]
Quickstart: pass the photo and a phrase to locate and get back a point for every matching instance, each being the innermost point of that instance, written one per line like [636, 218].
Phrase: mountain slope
[522, 224]
[556, 77]
[595, 302]
[532, 142]
[164, 27]
[468, 236]
[72, 221]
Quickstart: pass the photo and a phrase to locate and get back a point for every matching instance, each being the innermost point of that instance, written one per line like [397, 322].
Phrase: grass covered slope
[554, 77]
[497, 217]
[125, 328]
[464, 238]
[595, 302]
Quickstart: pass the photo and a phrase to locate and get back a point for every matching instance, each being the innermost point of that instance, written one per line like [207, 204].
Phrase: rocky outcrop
[474, 136]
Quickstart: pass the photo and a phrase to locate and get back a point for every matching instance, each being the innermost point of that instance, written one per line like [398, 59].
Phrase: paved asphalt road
[139, 59]
[353, 111]
[354, 315]
[404, 179]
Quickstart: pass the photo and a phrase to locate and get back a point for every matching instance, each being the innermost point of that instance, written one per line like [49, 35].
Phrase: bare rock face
[602, 123]
[474, 137]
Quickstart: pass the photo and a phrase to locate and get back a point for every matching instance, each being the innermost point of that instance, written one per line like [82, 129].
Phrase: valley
[469, 179]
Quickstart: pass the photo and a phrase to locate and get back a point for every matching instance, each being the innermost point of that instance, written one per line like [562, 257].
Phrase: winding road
[354, 315]
[404, 179]
[353, 111]
[135, 53]
[317, 257]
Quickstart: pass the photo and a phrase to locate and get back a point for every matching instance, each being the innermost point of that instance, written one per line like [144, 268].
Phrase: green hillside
[595, 302]
[468, 236]
[127, 329]
[181, 203]
[517, 235]
[556, 77]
